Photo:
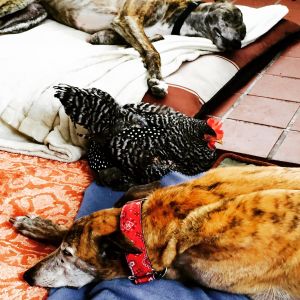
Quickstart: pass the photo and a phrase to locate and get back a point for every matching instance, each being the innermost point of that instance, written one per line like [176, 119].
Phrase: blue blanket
[96, 198]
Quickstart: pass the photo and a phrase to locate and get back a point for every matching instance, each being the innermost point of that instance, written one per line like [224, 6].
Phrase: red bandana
[131, 226]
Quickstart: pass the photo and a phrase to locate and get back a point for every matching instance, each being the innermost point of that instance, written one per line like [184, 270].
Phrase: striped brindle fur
[235, 229]
[138, 22]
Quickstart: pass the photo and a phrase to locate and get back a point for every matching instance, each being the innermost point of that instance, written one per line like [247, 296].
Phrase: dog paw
[106, 37]
[18, 222]
[156, 38]
[94, 39]
[35, 227]
[158, 87]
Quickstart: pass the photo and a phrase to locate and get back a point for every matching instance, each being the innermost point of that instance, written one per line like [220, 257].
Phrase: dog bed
[33, 122]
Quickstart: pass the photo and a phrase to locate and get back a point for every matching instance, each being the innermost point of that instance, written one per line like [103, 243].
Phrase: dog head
[223, 24]
[93, 249]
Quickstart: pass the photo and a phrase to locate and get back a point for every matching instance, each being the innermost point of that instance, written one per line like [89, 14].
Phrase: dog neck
[182, 17]
[131, 226]
[194, 24]
[162, 216]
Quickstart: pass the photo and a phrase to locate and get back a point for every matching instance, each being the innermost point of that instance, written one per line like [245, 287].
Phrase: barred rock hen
[138, 143]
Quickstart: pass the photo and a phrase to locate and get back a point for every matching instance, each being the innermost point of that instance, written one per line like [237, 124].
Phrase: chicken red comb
[216, 125]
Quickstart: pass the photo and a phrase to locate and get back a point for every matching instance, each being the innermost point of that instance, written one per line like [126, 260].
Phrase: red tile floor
[262, 119]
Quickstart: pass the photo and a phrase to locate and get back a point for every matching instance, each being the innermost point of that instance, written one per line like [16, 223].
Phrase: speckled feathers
[136, 143]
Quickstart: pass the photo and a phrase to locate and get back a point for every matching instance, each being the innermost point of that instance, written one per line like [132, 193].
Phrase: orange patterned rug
[44, 187]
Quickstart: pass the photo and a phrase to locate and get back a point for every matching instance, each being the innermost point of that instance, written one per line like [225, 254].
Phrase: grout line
[277, 99]
[258, 77]
[283, 135]
[293, 120]
[277, 144]
[284, 76]
[234, 105]
[257, 123]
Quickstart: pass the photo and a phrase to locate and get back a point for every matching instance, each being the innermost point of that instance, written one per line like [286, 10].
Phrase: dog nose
[236, 44]
[28, 277]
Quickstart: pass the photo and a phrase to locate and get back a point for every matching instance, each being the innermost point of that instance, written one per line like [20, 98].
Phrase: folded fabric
[97, 197]
[33, 122]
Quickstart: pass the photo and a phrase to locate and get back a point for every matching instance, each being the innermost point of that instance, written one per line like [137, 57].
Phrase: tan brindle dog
[134, 21]
[235, 229]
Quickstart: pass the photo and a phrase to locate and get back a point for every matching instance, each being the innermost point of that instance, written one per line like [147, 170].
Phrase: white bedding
[33, 122]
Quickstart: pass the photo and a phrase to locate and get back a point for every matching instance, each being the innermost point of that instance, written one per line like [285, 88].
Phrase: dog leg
[138, 192]
[156, 38]
[106, 37]
[110, 37]
[131, 29]
[39, 229]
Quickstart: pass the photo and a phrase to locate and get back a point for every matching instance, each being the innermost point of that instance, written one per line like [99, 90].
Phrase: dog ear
[115, 245]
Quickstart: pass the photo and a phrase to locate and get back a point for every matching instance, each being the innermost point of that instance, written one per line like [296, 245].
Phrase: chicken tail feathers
[87, 107]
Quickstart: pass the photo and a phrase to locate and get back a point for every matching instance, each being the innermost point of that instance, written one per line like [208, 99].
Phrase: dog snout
[28, 276]
[235, 44]
[229, 44]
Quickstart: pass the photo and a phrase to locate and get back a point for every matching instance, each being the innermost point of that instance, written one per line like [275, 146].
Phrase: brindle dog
[134, 21]
[235, 229]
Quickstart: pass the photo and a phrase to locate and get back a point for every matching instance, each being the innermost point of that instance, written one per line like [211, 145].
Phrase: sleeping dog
[138, 23]
[235, 229]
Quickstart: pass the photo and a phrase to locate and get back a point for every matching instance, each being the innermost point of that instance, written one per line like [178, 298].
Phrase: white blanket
[33, 122]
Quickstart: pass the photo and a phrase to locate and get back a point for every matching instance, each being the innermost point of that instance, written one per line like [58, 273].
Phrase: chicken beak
[209, 138]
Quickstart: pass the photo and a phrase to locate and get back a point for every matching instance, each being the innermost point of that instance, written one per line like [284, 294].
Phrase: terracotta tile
[249, 138]
[277, 87]
[294, 7]
[265, 111]
[286, 66]
[296, 125]
[289, 150]
[292, 4]
[294, 15]
[293, 50]
[225, 106]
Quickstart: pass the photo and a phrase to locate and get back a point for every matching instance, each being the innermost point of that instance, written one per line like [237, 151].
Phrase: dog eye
[217, 32]
[66, 252]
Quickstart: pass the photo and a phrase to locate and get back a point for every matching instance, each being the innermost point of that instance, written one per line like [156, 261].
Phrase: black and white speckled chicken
[138, 143]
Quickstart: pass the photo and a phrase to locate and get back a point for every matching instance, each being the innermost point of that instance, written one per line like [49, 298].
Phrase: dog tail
[90, 108]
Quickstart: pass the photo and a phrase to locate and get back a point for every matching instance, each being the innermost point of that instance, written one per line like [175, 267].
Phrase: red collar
[131, 227]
